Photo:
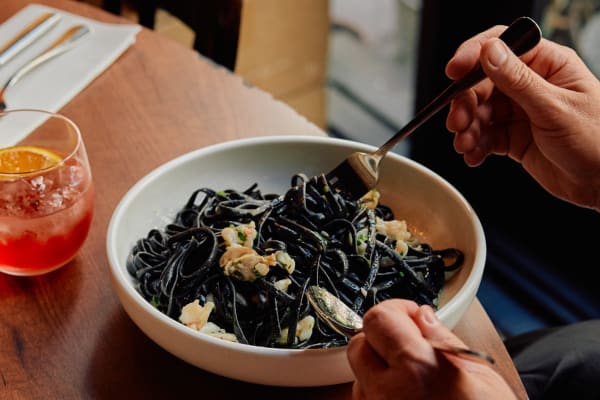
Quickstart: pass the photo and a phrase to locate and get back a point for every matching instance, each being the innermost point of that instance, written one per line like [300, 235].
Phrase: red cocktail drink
[46, 199]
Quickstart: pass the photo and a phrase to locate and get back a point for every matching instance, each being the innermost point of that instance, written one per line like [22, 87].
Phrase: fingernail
[429, 315]
[497, 54]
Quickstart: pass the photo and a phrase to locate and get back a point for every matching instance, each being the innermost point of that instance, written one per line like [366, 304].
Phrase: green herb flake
[155, 302]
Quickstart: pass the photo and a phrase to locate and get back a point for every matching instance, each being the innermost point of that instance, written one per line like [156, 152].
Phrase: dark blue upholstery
[522, 291]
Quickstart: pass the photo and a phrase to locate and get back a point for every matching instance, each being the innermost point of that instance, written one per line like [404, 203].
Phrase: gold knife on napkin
[27, 35]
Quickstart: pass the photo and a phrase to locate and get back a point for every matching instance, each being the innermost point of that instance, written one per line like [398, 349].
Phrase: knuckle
[522, 78]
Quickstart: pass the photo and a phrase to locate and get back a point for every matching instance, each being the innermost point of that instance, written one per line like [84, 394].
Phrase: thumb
[433, 329]
[513, 77]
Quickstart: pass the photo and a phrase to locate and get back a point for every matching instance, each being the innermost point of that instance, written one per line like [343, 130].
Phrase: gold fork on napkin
[32, 32]
[64, 43]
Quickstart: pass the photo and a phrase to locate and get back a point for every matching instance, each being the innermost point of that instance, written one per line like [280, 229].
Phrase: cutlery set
[28, 35]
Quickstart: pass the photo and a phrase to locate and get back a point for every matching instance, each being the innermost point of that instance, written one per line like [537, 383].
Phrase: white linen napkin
[56, 82]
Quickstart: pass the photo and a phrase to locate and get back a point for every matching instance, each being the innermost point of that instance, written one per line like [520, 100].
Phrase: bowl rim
[122, 279]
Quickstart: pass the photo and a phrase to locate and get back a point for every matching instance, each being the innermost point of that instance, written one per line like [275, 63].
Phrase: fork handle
[521, 36]
[28, 35]
[65, 42]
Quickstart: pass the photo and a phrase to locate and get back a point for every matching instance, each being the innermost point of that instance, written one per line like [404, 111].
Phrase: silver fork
[359, 173]
[65, 42]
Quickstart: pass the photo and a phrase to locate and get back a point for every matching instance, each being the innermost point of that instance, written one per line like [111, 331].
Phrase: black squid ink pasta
[236, 264]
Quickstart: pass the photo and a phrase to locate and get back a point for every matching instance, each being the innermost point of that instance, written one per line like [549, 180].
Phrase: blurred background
[360, 69]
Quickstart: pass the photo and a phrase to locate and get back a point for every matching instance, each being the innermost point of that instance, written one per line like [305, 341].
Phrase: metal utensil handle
[347, 322]
[464, 352]
[522, 35]
[28, 35]
[61, 45]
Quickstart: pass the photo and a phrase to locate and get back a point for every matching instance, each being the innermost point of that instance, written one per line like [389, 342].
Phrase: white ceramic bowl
[430, 205]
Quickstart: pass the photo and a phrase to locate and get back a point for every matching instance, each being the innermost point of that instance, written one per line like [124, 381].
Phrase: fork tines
[344, 178]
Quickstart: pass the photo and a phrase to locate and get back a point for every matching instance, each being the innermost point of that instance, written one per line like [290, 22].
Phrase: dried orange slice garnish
[26, 159]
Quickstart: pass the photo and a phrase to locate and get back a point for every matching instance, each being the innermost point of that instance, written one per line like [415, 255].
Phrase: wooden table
[64, 335]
